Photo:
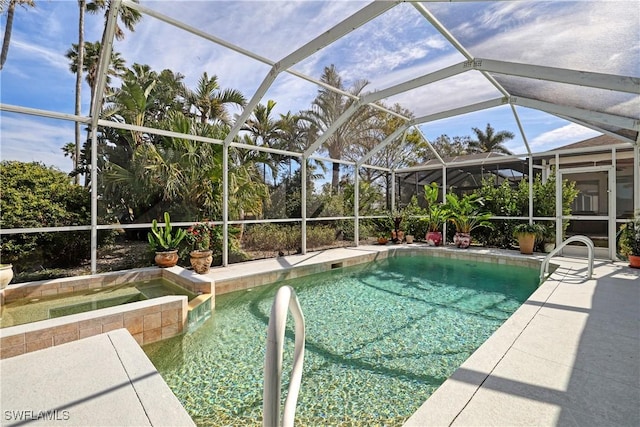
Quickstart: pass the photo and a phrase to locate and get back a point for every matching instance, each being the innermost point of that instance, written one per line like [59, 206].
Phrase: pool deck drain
[569, 356]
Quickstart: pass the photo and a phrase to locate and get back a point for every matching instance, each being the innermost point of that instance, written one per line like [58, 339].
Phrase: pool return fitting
[285, 298]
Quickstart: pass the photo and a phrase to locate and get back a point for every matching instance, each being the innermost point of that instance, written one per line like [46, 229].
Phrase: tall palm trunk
[82, 6]
[7, 33]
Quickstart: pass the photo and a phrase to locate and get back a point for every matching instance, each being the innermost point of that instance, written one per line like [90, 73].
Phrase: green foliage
[416, 226]
[465, 212]
[436, 212]
[630, 238]
[34, 195]
[525, 228]
[502, 200]
[320, 235]
[162, 238]
[286, 239]
[201, 235]
[507, 200]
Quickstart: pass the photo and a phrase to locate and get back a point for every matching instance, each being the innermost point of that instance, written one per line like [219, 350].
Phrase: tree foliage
[34, 195]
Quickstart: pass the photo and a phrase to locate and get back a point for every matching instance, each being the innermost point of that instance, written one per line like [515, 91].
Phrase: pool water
[380, 339]
[28, 310]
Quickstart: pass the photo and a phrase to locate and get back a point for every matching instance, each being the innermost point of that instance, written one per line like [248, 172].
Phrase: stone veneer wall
[148, 321]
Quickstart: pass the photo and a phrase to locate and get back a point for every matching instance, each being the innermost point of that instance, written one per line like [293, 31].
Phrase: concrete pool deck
[569, 356]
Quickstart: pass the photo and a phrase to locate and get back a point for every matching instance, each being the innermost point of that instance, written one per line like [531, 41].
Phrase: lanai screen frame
[599, 121]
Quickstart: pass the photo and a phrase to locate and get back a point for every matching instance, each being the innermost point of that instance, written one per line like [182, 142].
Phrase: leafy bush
[506, 200]
[286, 239]
[320, 235]
[34, 195]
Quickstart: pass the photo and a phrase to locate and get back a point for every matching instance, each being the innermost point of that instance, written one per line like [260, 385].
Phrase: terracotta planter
[526, 242]
[201, 261]
[409, 238]
[6, 274]
[166, 258]
[382, 240]
[634, 261]
[462, 240]
[434, 238]
[399, 237]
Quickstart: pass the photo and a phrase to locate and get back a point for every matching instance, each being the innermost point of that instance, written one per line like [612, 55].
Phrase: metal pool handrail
[544, 267]
[285, 298]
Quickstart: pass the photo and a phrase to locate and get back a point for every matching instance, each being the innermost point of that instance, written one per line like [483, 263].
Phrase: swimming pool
[381, 338]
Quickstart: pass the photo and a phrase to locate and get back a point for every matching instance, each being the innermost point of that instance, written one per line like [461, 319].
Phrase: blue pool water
[380, 339]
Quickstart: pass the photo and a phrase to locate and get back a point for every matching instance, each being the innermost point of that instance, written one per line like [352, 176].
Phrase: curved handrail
[285, 298]
[544, 267]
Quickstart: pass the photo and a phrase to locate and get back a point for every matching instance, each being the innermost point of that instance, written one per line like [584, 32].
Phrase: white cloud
[564, 135]
[30, 139]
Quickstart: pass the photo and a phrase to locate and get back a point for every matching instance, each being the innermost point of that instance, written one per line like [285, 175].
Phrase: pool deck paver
[569, 356]
[104, 380]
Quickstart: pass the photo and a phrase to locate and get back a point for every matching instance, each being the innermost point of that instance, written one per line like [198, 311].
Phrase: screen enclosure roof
[512, 63]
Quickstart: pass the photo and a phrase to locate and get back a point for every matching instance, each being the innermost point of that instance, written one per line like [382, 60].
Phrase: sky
[392, 48]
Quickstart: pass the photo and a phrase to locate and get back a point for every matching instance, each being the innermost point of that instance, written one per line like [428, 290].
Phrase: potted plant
[412, 213]
[200, 236]
[527, 234]
[466, 215]
[549, 237]
[6, 274]
[436, 215]
[164, 242]
[397, 235]
[630, 242]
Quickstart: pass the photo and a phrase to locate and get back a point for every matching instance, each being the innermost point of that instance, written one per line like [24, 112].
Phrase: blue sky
[390, 49]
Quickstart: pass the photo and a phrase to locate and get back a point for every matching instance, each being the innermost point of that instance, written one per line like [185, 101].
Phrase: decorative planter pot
[409, 238]
[548, 247]
[201, 261]
[634, 261]
[6, 274]
[382, 240]
[434, 238]
[397, 237]
[526, 242]
[166, 258]
[462, 240]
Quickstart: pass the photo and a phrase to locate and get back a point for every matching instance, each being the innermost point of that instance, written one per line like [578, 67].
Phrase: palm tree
[129, 18]
[9, 26]
[82, 6]
[327, 107]
[210, 101]
[265, 130]
[90, 66]
[489, 141]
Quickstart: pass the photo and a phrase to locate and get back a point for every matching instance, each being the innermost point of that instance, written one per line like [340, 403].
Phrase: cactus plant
[163, 238]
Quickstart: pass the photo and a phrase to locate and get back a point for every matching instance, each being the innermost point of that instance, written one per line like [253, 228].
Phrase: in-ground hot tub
[64, 302]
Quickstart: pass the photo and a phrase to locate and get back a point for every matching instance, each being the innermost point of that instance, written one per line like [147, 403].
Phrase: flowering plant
[199, 235]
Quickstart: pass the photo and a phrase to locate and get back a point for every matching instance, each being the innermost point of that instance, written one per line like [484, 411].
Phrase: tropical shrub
[34, 195]
[436, 211]
[466, 212]
[507, 200]
[630, 238]
[415, 225]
